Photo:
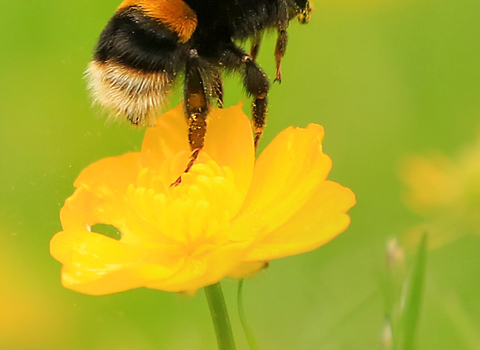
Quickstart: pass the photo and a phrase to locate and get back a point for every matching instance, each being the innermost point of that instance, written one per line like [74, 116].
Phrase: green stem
[221, 322]
[241, 313]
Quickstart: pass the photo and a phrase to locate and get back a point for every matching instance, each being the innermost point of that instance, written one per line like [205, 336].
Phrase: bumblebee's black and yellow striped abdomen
[138, 57]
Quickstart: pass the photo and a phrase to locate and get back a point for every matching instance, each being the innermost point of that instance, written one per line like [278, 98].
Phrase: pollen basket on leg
[129, 93]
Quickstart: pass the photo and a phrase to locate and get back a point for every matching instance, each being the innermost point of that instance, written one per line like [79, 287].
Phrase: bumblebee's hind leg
[196, 108]
[196, 103]
[282, 38]
[255, 81]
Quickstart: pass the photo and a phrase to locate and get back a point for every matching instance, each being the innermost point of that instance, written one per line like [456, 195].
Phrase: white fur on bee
[127, 92]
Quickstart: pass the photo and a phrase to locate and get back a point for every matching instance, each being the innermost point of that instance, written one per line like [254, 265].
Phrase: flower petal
[100, 190]
[229, 143]
[320, 220]
[286, 174]
[110, 176]
[95, 202]
[247, 269]
[169, 136]
[204, 270]
[95, 264]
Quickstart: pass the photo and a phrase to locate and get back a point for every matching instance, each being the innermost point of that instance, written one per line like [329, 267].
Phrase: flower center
[197, 213]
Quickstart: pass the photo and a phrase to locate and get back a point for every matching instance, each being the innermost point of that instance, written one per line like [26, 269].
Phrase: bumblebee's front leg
[196, 108]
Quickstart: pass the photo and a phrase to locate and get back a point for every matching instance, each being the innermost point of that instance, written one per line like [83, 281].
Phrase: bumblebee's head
[304, 9]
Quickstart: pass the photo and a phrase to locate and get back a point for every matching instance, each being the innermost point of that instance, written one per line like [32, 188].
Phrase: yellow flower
[445, 191]
[229, 216]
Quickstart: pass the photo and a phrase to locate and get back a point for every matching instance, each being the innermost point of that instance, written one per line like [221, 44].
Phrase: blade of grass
[413, 298]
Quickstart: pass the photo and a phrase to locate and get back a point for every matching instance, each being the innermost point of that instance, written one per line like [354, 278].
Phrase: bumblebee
[148, 44]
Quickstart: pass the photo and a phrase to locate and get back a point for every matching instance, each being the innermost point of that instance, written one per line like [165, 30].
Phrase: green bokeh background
[385, 78]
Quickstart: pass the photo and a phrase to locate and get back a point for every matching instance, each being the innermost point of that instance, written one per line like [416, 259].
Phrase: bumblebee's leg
[282, 38]
[257, 84]
[196, 103]
[196, 107]
[255, 81]
[304, 14]
[217, 90]
[255, 46]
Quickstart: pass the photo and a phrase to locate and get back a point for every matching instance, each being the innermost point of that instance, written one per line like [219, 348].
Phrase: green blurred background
[386, 79]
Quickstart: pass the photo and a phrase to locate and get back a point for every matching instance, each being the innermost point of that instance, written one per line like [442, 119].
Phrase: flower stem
[221, 322]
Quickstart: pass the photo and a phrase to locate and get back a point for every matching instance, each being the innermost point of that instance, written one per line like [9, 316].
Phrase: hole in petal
[107, 230]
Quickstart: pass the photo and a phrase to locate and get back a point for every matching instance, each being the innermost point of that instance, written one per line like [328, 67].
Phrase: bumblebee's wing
[137, 60]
